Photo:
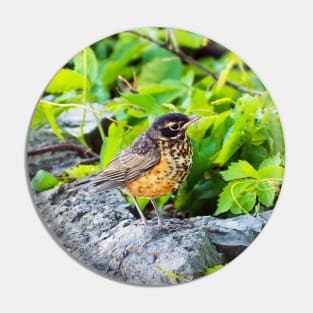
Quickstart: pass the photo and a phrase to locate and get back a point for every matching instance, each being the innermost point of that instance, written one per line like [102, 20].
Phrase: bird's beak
[192, 119]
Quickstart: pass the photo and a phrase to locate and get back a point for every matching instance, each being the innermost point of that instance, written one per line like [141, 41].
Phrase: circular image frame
[101, 101]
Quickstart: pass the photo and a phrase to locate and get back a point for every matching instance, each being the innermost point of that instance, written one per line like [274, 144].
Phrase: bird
[154, 165]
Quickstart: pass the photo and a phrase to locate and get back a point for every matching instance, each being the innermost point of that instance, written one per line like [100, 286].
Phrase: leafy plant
[238, 143]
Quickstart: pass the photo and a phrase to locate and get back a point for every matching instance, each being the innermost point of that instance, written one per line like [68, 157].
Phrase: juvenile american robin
[154, 165]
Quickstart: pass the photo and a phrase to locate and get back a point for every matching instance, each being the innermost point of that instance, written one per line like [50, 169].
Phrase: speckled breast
[168, 174]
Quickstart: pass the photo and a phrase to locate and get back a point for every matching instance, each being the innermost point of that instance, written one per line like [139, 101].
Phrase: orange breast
[168, 174]
[155, 183]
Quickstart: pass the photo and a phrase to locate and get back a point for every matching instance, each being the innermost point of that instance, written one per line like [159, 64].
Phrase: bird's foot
[161, 224]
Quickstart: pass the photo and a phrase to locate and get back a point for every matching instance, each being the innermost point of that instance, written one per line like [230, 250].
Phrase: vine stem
[84, 99]
[188, 59]
[77, 105]
[102, 135]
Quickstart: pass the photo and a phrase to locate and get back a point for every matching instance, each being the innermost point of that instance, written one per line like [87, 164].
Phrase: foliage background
[238, 144]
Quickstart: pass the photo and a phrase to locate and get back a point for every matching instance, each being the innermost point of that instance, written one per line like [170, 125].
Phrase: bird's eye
[174, 126]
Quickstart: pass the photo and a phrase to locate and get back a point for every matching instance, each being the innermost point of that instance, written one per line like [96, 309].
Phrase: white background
[275, 38]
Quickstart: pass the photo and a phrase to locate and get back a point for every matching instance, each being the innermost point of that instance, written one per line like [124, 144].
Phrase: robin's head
[173, 125]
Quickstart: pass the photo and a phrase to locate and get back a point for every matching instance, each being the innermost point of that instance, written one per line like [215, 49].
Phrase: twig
[63, 147]
[130, 87]
[90, 160]
[188, 59]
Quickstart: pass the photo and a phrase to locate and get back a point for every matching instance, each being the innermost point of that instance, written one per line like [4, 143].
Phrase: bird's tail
[83, 182]
[95, 183]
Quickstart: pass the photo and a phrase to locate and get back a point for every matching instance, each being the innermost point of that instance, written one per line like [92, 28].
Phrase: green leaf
[213, 269]
[186, 39]
[204, 151]
[111, 71]
[161, 92]
[197, 130]
[245, 113]
[183, 197]
[272, 171]
[39, 117]
[233, 192]
[254, 154]
[48, 109]
[221, 101]
[244, 203]
[92, 64]
[111, 144]
[188, 79]
[266, 193]
[136, 112]
[240, 169]
[145, 102]
[198, 102]
[66, 80]
[271, 122]
[69, 97]
[259, 136]
[221, 120]
[127, 49]
[143, 202]
[161, 202]
[210, 189]
[171, 107]
[171, 274]
[222, 78]
[82, 170]
[225, 200]
[153, 52]
[160, 69]
[43, 180]
[272, 161]
[208, 149]
[235, 141]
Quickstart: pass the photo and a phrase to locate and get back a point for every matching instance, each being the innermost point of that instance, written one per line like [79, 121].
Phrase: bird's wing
[128, 165]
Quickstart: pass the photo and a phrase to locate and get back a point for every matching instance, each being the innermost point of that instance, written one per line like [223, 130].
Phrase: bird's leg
[160, 220]
[144, 220]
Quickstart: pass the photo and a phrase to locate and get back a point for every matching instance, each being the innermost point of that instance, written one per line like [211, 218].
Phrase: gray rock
[79, 222]
[233, 235]
[144, 255]
[100, 231]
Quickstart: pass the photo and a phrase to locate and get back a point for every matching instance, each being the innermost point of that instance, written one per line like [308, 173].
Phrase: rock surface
[101, 232]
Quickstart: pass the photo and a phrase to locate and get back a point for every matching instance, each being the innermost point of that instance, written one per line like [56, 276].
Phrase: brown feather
[129, 164]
